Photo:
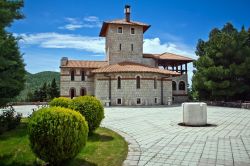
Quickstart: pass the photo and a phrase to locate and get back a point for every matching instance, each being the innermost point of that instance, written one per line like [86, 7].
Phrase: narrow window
[133, 31]
[138, 101]
[174, 85]
[72, 75]
[156, 101]
[138, 82]
[83, 75]
[119, 101]
[72, 93]
[119, 82]
[132, 47]
[155, 83]
[82, 92]
[181, 85]
[120, 46]
[119, 30]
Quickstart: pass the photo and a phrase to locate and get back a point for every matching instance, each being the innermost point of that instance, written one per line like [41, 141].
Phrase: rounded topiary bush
[60, 102]
[57, 134]
[91, 108]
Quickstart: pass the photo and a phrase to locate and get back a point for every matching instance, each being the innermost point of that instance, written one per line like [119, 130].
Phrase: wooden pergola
[171, 61]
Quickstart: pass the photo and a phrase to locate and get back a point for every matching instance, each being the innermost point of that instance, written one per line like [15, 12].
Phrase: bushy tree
[222, 69]
[53, 90]
[12, 70]
[57, 134]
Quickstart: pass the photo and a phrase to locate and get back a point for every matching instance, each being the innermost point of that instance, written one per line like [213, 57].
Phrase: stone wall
[114, 39]
[180, 96]
[66, 84]
[129, 93]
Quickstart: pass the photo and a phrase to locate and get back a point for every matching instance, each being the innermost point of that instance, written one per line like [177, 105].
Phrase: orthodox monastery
[127, 76]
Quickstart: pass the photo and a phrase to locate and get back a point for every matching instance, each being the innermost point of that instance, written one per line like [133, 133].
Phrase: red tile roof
[168, 56]
[122, 22]
[85, 64]
[124, 67]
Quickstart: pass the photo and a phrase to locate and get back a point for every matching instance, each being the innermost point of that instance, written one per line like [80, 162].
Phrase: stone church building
[127, 76]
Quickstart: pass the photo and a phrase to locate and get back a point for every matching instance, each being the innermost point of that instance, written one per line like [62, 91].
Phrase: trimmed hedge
[57, 134]
[91, 108]
[60, 102]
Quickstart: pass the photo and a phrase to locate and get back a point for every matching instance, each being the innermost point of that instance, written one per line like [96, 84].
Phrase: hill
[35, 81]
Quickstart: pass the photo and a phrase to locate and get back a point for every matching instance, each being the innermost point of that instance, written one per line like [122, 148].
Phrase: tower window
[120, 46]
[155, 83]
[132, 31]
[83, 76]
[119, 82]
[138, 82]
[119, 30]
[132, 47]
[72, 75]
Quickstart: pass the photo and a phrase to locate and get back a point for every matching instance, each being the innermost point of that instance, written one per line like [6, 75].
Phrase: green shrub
[91, 108]
[9, 119]
[60, 102]
[57, 134]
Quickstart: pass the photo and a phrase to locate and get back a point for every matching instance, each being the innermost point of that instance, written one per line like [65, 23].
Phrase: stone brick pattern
[129, 93]
[180, 96]
[66, 84]
[114, 39]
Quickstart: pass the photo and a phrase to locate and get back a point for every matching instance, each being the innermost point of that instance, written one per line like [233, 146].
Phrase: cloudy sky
[58, 28]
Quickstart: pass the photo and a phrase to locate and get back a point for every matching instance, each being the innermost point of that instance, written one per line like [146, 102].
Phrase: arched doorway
[82, 91]
[72, 93]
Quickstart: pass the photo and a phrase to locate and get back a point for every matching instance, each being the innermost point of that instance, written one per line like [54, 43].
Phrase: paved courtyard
[155, 138]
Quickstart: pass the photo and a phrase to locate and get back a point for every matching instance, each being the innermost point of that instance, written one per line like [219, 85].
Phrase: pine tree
[53, 89]
[222, 69]
[12, 70]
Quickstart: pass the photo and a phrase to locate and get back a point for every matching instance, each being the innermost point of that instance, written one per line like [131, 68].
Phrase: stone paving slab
[155, 138]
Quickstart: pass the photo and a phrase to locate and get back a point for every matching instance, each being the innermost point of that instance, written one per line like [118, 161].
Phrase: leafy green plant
[57, 134]
[91, 108]
[61, 102]
[9, 119]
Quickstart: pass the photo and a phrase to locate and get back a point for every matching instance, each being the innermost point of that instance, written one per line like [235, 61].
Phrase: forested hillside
[35, 81]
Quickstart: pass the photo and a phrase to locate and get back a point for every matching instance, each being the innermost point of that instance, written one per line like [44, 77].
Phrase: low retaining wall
[28, 103]
[245, 105]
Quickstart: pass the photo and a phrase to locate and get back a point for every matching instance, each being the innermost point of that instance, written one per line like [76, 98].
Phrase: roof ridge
[88, 60]
[174, 54]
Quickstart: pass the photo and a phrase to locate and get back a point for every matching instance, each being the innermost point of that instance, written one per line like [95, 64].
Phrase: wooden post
[186, 67]
[181, 69]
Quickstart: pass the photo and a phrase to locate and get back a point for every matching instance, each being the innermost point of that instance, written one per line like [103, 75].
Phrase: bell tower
[124, 39]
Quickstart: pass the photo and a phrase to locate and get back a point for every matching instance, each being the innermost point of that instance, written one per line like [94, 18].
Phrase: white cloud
[56, 40]
[154, 45]
[97, 44]
[76, 23]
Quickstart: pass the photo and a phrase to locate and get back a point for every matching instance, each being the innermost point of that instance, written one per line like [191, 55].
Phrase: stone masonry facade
[126, 77]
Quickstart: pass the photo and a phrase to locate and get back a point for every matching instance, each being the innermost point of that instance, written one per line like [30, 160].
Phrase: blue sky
[56, 28]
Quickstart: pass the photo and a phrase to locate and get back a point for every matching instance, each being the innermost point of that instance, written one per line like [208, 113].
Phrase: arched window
[119, 82]
[138, 82]
[72, 93]
[182, 85]
[82, 92]
[72, 75]
[155, 83]
[83, 75]
[174, 85]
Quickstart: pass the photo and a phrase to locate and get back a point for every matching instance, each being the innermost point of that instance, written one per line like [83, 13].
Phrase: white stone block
[194, 114]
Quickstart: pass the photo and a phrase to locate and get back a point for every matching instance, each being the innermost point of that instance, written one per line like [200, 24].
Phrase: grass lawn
[104, 147]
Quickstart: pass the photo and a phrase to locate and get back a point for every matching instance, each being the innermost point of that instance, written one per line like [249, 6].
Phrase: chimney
[127, 13]
[64, 61]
